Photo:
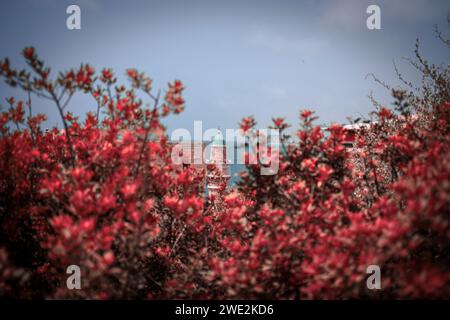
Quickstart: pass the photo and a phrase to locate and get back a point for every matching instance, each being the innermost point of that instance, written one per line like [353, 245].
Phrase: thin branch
[377, 80]
[68, 100]
[66, 127]
[440, 36]
[30, 112]
[402, 79]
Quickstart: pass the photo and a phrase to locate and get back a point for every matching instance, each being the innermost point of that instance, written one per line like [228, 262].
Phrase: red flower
[88, 225]
[305, 114]
[129, 190]
[247, 124]
[324, 173]
[108, 258]
[385, 113]
[309, 164]
[107, 76]
[132, 73]
[28, 52]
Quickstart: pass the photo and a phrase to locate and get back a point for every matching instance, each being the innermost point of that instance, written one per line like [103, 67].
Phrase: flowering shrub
[312, 230]
[103, 194]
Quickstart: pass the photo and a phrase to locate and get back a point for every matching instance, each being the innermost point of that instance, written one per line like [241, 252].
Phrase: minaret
[217, 177]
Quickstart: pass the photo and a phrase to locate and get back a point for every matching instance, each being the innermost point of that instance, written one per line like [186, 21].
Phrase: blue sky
[237, 58]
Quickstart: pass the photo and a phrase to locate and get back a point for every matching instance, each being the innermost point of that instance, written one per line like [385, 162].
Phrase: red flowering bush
[104, 194]
[312, 230]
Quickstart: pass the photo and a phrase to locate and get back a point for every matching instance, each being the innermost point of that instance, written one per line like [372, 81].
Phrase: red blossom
[247, 123]
[305, 114]
[28, 52]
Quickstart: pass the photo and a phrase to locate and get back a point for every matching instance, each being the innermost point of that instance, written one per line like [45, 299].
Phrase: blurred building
[217, 167]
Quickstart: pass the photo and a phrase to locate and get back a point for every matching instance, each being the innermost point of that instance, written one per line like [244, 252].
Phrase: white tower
[217, 176]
